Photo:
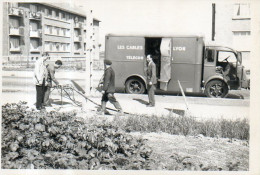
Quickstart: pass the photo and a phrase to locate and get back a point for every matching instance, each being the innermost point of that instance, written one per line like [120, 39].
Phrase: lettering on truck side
[179, 48]
[134, 57]
[130, 47]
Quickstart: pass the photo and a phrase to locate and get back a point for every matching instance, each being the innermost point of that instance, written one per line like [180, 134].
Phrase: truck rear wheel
[135, 86]
[216, 89]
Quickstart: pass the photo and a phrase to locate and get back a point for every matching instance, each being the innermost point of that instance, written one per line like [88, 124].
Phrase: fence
[69, 63]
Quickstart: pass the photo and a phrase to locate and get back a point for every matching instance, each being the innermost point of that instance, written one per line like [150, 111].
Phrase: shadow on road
[141, 101]
[60, 103]
[235, 96]
[176, 111]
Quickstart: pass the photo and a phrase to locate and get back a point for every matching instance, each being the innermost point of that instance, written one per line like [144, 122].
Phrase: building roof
[153, 34]
[71, 9]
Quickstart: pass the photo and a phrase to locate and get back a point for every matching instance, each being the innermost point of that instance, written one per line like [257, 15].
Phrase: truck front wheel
[135, 86]
[216, 89]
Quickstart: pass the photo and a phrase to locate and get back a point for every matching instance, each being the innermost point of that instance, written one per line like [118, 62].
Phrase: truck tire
[216, 89]
[135, 86]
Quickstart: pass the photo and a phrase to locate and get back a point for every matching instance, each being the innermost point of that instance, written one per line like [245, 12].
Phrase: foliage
[42, 140]
[55, 140]
[186, 125]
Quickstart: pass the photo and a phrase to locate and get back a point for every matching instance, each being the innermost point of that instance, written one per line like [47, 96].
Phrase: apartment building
[33, 28]
[233, 27]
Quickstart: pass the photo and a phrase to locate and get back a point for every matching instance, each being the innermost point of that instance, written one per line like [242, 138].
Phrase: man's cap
[107, 62]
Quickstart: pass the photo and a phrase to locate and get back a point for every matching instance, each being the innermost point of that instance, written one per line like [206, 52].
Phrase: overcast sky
[152, 16]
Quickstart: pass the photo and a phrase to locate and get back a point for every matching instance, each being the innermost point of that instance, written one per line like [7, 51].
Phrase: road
[18, 86]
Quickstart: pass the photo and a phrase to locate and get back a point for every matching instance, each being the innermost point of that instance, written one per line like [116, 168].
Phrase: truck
[212, 70]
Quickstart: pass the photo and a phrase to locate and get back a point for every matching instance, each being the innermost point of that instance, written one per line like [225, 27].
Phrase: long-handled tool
[81, 92]
[183, 94]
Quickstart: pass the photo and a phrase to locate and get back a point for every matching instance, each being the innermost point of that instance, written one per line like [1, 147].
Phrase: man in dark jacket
[151, 80]
[109, 88]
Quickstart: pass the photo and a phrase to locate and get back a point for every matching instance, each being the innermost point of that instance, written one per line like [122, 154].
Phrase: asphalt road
[18, 86]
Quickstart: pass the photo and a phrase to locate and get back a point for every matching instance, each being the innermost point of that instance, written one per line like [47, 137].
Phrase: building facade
[33, 28]
[233, 28]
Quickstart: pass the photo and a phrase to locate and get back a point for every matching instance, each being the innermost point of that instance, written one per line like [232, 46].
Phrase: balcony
[34, 49]
[35, 33]
[15, 49]
[15, 12]
[35, 15]
[77, 38]
[77, 25]
[15, 31]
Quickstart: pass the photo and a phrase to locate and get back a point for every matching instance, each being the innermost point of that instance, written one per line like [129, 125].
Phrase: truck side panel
[187, 55]
[127, 55]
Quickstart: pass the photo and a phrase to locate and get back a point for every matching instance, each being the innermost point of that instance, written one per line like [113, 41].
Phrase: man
[40, 76]
[151, 80]
[51, 78]
[109, 88]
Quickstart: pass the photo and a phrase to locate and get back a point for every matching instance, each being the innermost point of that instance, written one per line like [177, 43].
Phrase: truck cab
[223, 71]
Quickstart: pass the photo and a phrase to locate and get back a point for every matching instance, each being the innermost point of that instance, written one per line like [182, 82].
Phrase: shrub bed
[38, 140]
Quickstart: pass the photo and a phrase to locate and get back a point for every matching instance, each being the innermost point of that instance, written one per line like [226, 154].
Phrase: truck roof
[154, 35]
[223, 48]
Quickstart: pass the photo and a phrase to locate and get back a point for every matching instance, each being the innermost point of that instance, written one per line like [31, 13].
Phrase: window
[14, 42]
[68, 47]
[57, 14]
[33, 8]
[76, 46]
[47, 46]
[63, 16]
[55, 31]
[67, 17]
[33, 26]
[68, 32]
[225, 56]
[58, 30]
[49, 13]
[241, 10]
[241, 33]
[210, 55]
[14, 23]
[48, 29]
[57, 46]
[34, 44]
[76, 32]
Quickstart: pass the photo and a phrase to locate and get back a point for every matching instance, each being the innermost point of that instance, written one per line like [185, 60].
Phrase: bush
[55, 140]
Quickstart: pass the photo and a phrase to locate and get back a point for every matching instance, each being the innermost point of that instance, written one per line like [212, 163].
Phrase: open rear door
[165, 74]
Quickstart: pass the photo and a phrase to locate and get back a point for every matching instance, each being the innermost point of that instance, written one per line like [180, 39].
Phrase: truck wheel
[216, 89]
[135, 86]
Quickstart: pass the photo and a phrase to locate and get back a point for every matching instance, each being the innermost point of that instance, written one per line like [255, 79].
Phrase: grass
[185, 125]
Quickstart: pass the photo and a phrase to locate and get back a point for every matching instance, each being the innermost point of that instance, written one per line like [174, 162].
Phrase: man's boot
[103, 108]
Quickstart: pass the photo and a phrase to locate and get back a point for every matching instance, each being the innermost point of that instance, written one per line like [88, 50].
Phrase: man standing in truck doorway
[151, 80]
[109, 88]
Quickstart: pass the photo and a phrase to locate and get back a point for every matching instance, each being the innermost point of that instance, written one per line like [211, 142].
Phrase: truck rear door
[165, 73]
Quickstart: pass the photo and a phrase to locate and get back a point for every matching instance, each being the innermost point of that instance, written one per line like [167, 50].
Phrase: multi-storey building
[33, 28]
[233, 27]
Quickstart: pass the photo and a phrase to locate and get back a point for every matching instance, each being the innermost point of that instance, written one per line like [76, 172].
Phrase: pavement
[17, 86]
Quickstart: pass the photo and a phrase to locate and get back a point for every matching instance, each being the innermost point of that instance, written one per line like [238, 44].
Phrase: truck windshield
[227, 56]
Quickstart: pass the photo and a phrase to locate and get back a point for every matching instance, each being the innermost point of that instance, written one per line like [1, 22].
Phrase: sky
[152, 17]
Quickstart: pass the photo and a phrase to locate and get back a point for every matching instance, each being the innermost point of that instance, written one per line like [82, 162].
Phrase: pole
[183, 94]
[213, 21]
[89, 44]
